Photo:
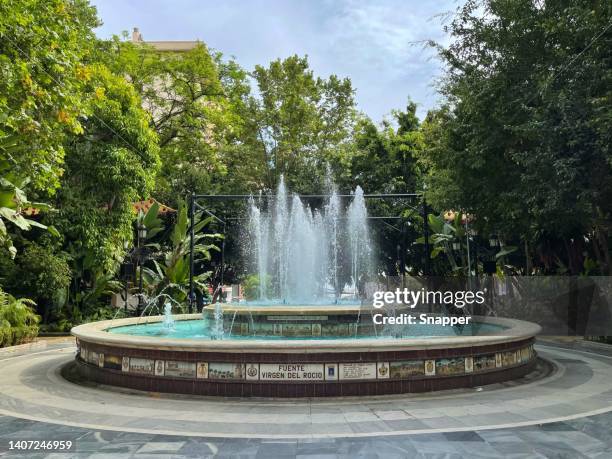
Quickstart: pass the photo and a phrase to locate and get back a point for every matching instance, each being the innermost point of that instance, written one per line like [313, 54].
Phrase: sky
[377, 44]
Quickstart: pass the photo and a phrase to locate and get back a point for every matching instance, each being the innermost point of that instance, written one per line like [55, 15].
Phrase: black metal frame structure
[194, 206]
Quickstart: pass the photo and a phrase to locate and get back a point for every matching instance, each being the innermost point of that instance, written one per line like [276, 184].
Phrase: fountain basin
[294, 367]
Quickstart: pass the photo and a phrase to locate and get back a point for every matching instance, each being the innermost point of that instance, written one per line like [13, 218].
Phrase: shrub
[18, 321]
[43, 275]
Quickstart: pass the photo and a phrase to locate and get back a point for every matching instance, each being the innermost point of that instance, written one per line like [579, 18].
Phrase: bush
[43, 275]
[18, 321]
[250, 286]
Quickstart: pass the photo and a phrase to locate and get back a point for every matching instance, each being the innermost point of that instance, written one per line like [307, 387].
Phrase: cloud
[378, 44]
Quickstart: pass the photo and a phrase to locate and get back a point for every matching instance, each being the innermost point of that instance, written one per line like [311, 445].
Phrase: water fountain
[307, 244]
[168, 322]
[308, 332]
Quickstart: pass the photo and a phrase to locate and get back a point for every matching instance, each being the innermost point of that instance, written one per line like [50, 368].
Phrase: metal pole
[403, 254]
[467, 241]
[223, 257]
[138, 242]
[426, 237]
[191, 247]
[469, 260]
[125, 303]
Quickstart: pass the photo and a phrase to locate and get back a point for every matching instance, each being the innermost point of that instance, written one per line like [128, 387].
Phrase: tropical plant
[449, 236]
[171, 275]
[18, 322]
[444, 235]
[13, 203]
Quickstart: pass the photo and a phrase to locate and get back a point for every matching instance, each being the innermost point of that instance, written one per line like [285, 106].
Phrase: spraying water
[217, 328]
[168, 323]
[305, 255]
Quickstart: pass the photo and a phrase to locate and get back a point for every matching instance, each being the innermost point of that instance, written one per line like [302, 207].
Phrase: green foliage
[189, 108]
[44, 275]
[385, 160]
[108, 168]
[18, 322]
[13, 202]
[251, 286]
[300, 122]
[524, 144]
[171, 276]
[42, 47]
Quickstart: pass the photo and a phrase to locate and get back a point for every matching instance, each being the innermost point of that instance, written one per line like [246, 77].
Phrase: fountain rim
[96, 332]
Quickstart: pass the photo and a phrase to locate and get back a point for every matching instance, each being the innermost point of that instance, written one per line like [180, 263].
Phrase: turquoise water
[198, 329]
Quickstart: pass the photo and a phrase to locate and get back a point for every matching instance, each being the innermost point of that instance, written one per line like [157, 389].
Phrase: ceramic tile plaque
[331, 372]
[125, 364]
[382, 370]
[252, 371]
[407, 368]
[448, 367]
[291, 372]
[357, 370]
[112, 361]
[469, 364]
[508, 358]
[202, 370]
[218, 370]
[484, 362]
[142, 366]
[430, 367]
[180, 369]
[159, 368]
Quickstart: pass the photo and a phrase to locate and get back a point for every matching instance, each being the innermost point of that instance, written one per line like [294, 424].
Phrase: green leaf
[505, 251]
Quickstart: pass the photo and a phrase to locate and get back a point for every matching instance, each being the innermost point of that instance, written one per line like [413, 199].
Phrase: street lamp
[493, 241]
[456, 245]
[142, 233]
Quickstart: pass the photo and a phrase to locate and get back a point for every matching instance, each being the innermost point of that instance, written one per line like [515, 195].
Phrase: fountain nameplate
[296, 318]
[291, 372]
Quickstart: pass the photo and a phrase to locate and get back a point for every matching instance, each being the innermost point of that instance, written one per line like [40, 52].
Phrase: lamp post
[141, 237]
[126, 274]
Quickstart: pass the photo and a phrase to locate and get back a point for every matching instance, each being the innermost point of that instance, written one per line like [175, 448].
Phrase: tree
[384, 160]
[42, 46]
[110, 166]
[522, 144]
[300, 121]
[189, 108]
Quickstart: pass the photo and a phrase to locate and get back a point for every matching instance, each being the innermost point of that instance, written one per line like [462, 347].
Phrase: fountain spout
[168, 323]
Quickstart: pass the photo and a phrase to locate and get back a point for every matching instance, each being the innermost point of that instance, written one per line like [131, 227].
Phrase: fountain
[168, 323]
[308, 243]
[309, 330]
